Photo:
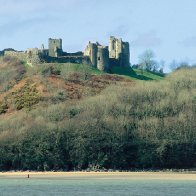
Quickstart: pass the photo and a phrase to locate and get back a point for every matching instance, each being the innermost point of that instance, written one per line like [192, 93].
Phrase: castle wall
[73, 54]
[33, 56]
[69, 59]
[19, 55]
[54, 47]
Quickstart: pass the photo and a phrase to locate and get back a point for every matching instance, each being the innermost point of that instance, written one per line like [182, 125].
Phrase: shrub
[25, 97]
[3, 108]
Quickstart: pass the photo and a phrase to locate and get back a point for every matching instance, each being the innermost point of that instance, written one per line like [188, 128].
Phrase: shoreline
[101, 175]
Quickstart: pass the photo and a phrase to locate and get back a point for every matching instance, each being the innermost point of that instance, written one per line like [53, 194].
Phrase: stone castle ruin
[102, 58]
[119, 52]
[55, 47]
[98, 55]
[95, 54]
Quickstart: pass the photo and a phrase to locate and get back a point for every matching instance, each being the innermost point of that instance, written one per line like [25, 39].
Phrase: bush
[12, 70]
[3, 108]
[25, 97]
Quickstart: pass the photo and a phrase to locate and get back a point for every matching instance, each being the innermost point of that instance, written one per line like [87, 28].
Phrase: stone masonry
[55, 47]
[103, 58]
[99, 56]
[119, 51]
[95, 54]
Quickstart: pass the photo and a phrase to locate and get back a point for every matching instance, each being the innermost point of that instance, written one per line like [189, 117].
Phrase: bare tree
[146, 60]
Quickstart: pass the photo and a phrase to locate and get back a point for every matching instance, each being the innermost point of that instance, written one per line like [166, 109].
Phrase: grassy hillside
[65, 116]
[22, 86]
[137, 74]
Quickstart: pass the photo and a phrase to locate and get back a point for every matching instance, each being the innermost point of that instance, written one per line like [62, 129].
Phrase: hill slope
[137, 74]
[57, 116]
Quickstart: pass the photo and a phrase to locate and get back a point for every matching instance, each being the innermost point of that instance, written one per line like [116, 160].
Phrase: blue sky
[168, 27]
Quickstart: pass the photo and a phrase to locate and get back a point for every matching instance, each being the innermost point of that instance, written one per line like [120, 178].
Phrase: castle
[95, 54]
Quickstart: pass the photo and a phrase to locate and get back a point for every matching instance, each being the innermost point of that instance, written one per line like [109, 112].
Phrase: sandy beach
[104, 175]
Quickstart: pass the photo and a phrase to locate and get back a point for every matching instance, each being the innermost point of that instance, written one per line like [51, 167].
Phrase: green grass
[148, 74]
[136, 74]
[72, 67]
[67, 68]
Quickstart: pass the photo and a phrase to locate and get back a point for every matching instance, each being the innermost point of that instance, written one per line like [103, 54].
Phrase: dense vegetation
[73, 117]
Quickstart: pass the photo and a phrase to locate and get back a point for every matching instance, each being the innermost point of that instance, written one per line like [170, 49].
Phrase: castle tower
[125, 54]
[112, 47]
[91, 51]
[115, 48]
[98, 55]
[55, 47]
[93, 54]
[102, 58]
[119, 51]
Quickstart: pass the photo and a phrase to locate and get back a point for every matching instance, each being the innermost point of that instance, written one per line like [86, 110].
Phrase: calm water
[95, 187]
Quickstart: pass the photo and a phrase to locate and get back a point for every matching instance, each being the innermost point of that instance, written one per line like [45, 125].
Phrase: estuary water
[94, 186]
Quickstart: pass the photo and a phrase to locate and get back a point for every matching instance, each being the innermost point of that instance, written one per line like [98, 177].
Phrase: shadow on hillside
[157, 74]
[141, 77]
[128, 71]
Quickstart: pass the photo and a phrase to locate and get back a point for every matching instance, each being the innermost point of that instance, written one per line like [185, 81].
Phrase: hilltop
[23, 85]
[73, 116]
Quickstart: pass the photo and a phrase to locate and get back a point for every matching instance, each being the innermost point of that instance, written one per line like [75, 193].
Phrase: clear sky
[168, 27]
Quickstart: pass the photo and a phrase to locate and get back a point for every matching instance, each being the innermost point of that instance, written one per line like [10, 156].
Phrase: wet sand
[102, 175]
